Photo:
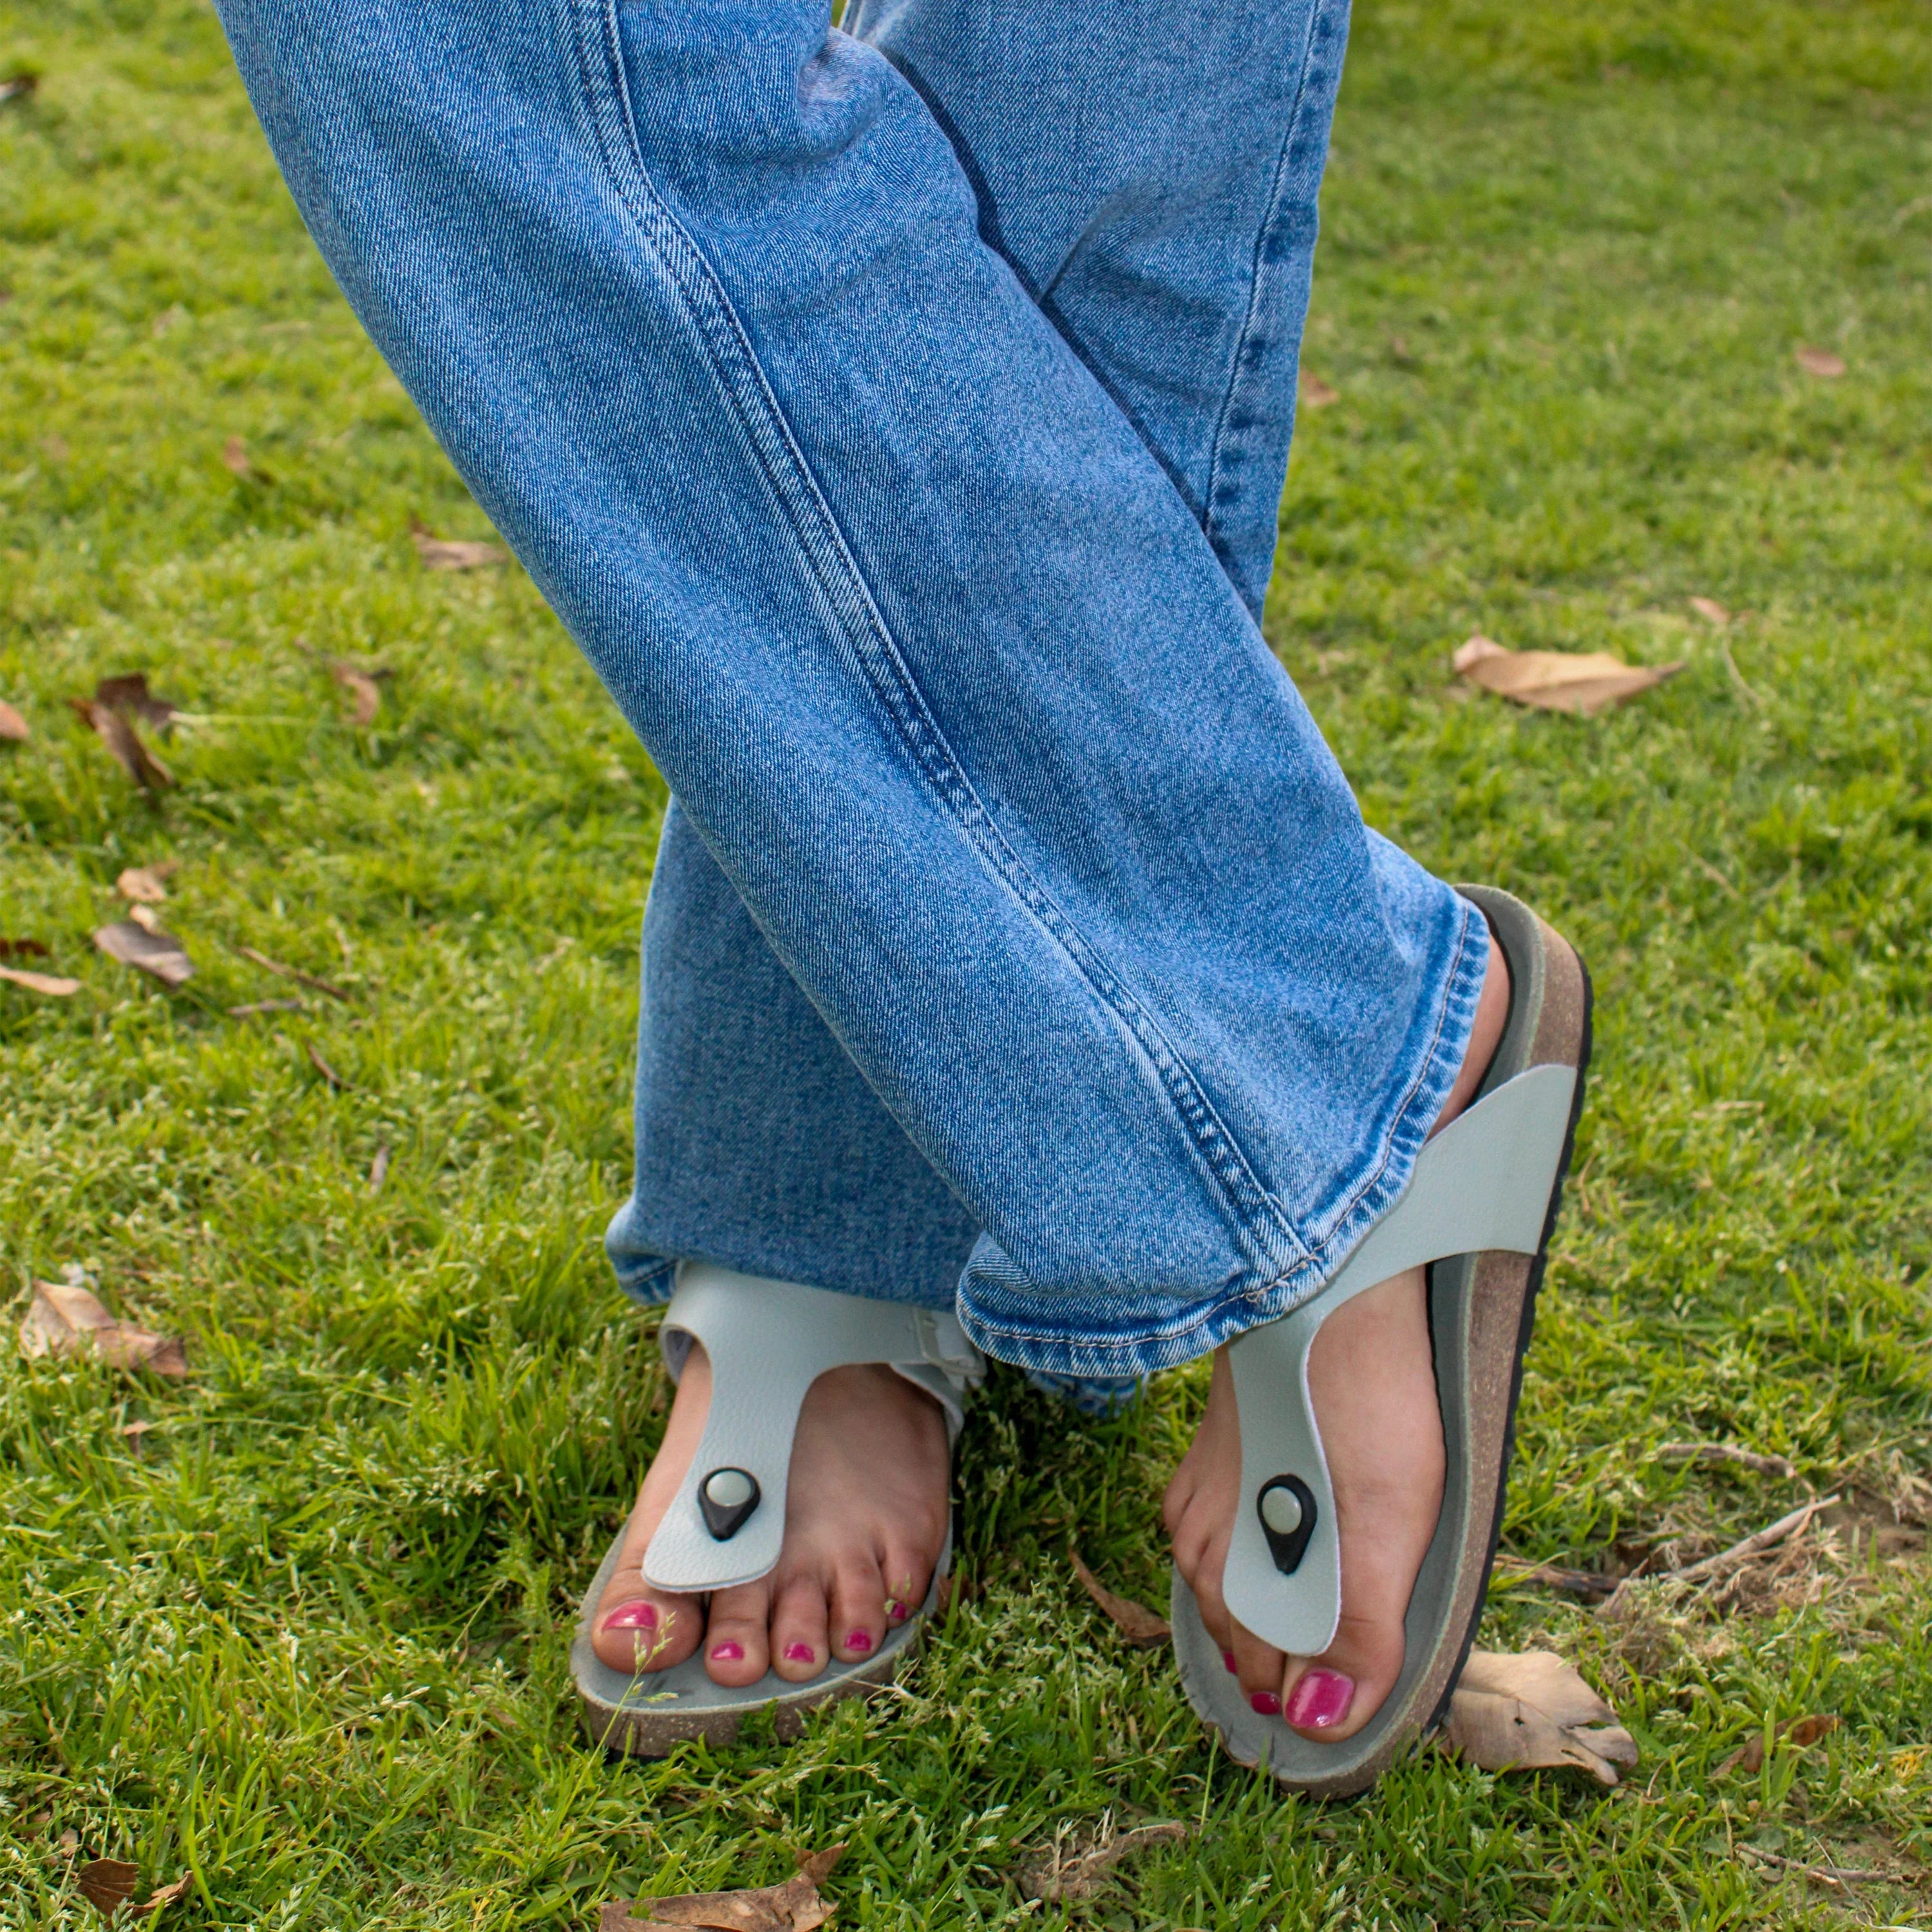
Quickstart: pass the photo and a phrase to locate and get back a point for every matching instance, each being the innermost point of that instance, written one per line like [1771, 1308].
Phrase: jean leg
[933, 653]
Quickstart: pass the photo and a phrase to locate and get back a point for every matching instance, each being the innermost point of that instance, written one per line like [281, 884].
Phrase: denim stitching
[1239, 364]
[1257, 1220]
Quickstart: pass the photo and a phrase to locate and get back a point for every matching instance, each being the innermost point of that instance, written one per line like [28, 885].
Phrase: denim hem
[1193, 1327]
[650, 1282]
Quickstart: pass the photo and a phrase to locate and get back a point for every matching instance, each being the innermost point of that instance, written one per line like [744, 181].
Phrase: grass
[304, 1639]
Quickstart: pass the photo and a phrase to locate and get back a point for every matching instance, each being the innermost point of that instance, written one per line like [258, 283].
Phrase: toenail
[632, 1616]
[1319, 1699]
[727, 1652]
[1267, 1702]
[1227, 1658]
[859, 1640]
[799, 1653]
[896, 1611]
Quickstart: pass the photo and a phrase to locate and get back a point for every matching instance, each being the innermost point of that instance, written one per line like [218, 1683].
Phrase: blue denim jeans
[897, 417]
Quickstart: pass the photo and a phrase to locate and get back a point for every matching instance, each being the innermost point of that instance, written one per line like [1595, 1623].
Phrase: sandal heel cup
[767, 1342]
[1482, 1308]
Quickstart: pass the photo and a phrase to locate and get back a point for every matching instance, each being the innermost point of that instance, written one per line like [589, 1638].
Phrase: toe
[908, 1577]
[736, 1650]
[800, 1644]
[1202, 1556]
[1259, 1666]
[1333, 1695]
[858, 1608]
[638, 1628]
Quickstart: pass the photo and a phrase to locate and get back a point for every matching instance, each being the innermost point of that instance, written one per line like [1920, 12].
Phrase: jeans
[897, 417]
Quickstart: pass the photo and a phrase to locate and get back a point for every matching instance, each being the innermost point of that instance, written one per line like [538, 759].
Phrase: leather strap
[768, 1341]
[1481, 1185]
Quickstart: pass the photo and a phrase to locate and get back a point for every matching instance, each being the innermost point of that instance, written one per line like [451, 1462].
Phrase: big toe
[1332, 1696]
[638, 1628]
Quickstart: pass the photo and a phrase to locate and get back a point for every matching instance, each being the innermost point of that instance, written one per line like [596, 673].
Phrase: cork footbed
[1482, 1310]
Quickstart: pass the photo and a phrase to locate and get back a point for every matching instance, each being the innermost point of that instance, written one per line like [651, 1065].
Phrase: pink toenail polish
[632, 1616]
[1320, 1698]
[727, 1652]
[1227, 1658]
[799, 1653]
[896, 1613]
[1265, 1702]
[859, 1640]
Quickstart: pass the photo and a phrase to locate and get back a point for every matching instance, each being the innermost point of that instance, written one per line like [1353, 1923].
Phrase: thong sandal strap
[1482, 1184]
[767, 1342]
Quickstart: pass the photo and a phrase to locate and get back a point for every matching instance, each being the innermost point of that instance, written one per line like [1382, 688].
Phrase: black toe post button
[727, 1497]
[1286, 1507]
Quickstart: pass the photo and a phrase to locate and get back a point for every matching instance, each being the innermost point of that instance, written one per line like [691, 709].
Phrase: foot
[1372, 1381]
[865, 1518]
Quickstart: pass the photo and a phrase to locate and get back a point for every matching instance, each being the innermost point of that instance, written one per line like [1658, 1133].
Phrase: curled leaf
[117, 733]
[1139, 1625]
[51, 984]
[796, 1906]
[1529, 1710]
[67, 1319]
[1582, 682]
[147, 947]
[361, 686]
[131, 697]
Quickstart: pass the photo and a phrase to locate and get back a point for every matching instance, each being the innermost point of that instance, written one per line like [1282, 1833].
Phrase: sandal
[1480, 1207]
[768, 1342]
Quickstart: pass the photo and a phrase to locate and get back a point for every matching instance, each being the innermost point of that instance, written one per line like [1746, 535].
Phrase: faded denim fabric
[897, 419]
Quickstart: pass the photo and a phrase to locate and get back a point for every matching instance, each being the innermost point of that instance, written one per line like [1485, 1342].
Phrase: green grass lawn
[304, 1638]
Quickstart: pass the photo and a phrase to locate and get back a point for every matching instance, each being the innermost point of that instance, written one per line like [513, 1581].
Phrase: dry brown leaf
[134, 1432]
[1064, 1875]
[1141, 1627]
[1749, 1755]
[24, 949]
[793, 1906]
[454, 552]
[147, 947]
[1820, 362]
[131, 697]
[13, 726]
[117, 733]
[143, 884]
[323, 1067]
[1711, 610]
[295, 973]
[1314, 394]
[51, 984]
[165, 1895]
[235, 456]
[1582, 682]
[66, 1319]
[362, 685]
[1528, 1710]
[107, 1882]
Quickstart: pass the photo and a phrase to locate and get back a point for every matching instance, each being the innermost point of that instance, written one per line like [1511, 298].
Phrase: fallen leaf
[51, 984]
[1711, 610]
[361, 686]
[1582, 682]
[1527, 1711]
[268, 1006]
[323, 1067]
[1749, 1755]
[295, 973]
[166, 1894]
[235, 456]
[1314, 393]
[1139, 1625]
[1820, 362]
[148, 948]
[107, 1882]
[119, 735]
[13, 727]
[454, 553]
[143, 883]
[130, 695]
[134, 1432]
[69, 1842]
[378, 1170]
[793, 1906]
[66, 1319]
[147, 919]
[19, 87]
[1059, 1877]
[23, 949]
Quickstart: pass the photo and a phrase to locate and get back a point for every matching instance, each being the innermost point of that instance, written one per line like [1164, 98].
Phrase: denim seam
[1255, 1218]
[1239, 362]
[1266, 1301]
